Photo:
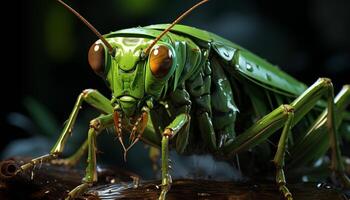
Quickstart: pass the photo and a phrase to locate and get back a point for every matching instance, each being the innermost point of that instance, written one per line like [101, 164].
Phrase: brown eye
[96, 58]
[161, 61]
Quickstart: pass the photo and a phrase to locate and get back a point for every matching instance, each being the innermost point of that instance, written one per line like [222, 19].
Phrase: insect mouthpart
[135, 126]
[128, 104]
[127, 98]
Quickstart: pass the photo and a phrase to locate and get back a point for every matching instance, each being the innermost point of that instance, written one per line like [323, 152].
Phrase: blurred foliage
[45, 121]
[136, 8]
[59, 34]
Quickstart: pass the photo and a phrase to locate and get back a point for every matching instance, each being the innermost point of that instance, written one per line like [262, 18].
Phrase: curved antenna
[172, 25]
[109, 46]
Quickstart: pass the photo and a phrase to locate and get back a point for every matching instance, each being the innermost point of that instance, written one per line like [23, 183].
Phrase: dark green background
[46, 47]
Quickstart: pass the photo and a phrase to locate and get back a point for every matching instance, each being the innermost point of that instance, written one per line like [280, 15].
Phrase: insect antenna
[173, 24]
[91, 27]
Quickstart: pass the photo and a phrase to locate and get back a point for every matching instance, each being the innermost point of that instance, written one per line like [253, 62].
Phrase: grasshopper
[175, 86]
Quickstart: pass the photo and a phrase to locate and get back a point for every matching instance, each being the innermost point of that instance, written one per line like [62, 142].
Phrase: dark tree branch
[53, 182]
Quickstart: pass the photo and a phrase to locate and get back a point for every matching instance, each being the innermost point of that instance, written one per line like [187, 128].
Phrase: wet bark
[53, 182]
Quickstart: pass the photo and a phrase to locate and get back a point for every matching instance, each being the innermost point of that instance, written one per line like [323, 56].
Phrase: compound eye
[96, 58]
[161, 60]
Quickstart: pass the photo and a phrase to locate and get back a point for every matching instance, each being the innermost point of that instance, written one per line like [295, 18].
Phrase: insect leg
[316, 142]
[324, 87]
[280, 153]
[73, 159]
[180, 103]
[170, 131]
[275, 120]
[96, 126]
[92, 97]
[259, 132]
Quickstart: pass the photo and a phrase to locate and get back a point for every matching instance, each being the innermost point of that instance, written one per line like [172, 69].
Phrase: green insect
[174, 86]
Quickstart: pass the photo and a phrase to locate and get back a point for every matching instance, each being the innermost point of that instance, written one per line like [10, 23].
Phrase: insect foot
[36, 161]
[166, 185]
[79, 190]
[287, 195]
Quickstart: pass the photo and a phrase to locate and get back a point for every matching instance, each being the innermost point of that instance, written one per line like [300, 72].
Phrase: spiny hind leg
[280, 153]
[316, 142]
[280, 117]
[93, 98]
[323, 87]
[337, 165]
[96, 126]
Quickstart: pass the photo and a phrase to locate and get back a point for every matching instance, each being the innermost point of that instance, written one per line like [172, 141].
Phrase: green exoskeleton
[174, 86]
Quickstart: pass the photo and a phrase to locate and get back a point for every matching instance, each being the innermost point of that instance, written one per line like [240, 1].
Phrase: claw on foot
[166, 185]
[287, 195]
[77, 191]
[135, 181]
[162, 195]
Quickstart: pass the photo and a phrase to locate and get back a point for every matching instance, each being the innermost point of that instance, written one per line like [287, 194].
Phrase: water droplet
[32, 175]
[268, 77]
[237, 66]
[226, 53]
[249, 67]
